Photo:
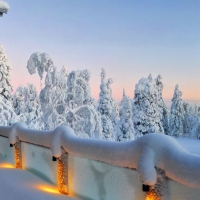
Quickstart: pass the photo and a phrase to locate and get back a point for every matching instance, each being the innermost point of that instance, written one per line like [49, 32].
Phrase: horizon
[129, 39]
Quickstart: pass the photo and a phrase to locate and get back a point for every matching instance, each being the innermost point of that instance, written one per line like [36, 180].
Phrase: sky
[129, 38]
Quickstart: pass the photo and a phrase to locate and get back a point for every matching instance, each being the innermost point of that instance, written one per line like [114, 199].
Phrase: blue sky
[130, 39]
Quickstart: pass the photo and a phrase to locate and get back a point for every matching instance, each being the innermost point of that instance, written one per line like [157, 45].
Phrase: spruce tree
[177, 113]
[164, 112]
[32, 106]
[146, 115]
[187, 116]
[19, 103]
[194, 122]
[108, 108]
[125, 129]
[5, 69]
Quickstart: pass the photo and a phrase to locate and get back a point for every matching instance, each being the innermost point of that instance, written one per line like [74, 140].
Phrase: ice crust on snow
[144, 154]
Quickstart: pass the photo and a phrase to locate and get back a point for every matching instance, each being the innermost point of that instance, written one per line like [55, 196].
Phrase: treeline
[65, 99]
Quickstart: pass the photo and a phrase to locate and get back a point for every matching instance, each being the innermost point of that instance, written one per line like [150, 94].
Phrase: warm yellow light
[62, 173]
[151, 195]
[18, 156]
[6, 166]
[48, 189]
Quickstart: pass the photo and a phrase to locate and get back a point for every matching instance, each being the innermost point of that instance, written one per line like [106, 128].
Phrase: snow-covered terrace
[4, 7]
[22, 184]
[115, 176]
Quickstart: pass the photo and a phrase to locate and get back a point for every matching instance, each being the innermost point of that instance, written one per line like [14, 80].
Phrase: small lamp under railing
[11, 145]
[145, 188]
[54, 158]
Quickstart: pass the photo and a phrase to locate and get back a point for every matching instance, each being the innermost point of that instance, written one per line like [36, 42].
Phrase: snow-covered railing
[144, 154]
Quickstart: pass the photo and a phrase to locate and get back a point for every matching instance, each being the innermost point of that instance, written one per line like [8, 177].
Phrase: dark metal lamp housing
[11, 145]
[145, 188]
[54, 158]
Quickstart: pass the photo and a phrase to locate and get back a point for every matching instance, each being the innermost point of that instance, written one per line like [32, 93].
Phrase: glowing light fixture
[151, 195]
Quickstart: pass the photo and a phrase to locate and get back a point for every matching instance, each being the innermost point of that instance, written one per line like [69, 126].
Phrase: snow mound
[4, 7]
[144, 154]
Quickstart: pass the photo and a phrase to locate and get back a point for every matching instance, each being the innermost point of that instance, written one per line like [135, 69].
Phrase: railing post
[18, 155]
[63, 173]
[157, 191]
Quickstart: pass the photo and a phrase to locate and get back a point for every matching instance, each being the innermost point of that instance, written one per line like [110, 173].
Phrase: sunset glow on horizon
[129, 39]
[189, 94]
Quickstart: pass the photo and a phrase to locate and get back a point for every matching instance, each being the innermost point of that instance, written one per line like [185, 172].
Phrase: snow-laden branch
[144, 154]
[4, 7]
[40, 61]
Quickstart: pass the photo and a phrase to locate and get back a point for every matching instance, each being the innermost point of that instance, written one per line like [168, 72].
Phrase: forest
[66, 100]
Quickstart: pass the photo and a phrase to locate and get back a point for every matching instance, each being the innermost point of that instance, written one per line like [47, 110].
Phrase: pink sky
[189, 93]
[130, 39]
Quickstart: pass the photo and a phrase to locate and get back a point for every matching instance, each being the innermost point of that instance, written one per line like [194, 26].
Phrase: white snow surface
[190, 144]
[21, 184]
[4, 7]
[144, 154]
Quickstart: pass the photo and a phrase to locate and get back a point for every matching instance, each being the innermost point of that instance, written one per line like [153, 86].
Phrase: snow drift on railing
[144, 154]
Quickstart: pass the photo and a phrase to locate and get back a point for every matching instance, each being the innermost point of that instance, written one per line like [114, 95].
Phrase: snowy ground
[19, 184]
[192, 145]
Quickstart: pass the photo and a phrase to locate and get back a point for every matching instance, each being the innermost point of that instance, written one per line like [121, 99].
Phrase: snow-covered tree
[32, 107]
[108, 108]
[81, 113]
[26, 105]
[7, 114]
[5, 68]
[198, 124]
[177, 113]
[193, 121]
[40, 62]
[19, 103]
[164, 112]
[187, 114]
[79, 92]
[4, 8]
[55, 88]
[125, 129]
[65, 99]
[146, 115]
